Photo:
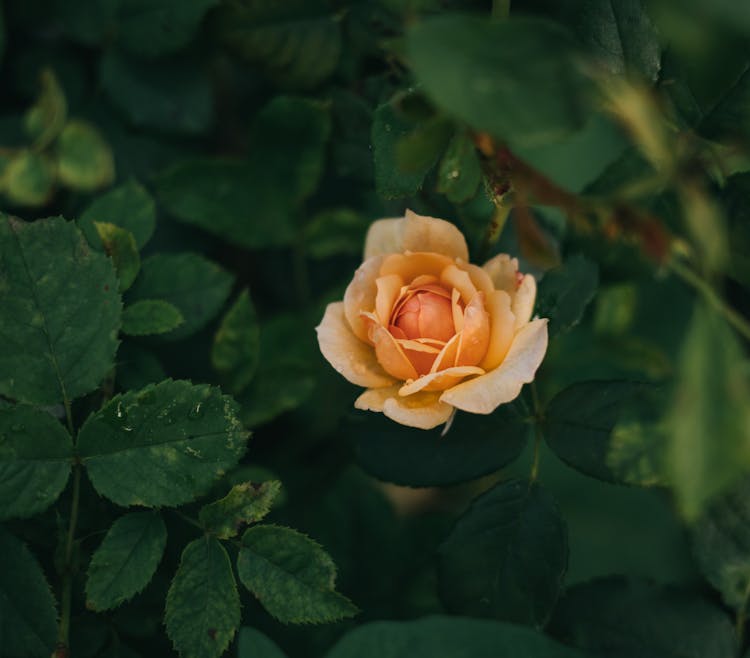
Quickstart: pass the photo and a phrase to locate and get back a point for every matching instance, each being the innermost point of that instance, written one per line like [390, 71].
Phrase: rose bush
[426, 331]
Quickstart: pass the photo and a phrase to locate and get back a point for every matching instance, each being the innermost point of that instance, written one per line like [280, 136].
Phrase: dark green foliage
[291, 575]
[579, 422]
[616, 618]
[447, 637]
[35, 459]
[474, 446]
[506, 556]
[195, 286]
[27, 608]
[126, 559]
[565, 292]
[203, 605]
[61, 312]
[533, 78]
[186, 185]
[163, 445]
[722, 545]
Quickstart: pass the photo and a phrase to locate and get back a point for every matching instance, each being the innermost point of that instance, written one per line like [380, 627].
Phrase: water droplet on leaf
[196, 412]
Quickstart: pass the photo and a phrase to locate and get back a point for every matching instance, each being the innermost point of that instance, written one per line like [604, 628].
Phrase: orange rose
[427, 332]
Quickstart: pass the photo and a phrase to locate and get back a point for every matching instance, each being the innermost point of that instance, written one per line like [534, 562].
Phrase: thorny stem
[63, 631]
[710, 295]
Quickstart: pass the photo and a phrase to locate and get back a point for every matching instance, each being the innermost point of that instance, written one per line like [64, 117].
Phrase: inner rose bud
[426, 315]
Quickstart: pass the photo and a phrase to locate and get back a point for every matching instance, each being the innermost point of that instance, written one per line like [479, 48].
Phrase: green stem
[500, 9]
[534, 474]
[68, 415]
[711, 296]
[495, 227]
[63, 631]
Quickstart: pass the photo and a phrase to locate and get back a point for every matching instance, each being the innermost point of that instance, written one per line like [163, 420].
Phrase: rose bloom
[426, 332]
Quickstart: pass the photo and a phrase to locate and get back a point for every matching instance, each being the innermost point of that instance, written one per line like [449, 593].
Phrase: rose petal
[453, 277]
[523, 302]
[502, 329]
[360, 296]
[421, 355]
[421, 410]
[351, 357]
[388, 352]
[415, 233]
[447, 356]
[413, 265]
[458, 313]
[479, 277]
[439, 381]
[484, 394]
[502, 269]
[388, 290]
[475, 336]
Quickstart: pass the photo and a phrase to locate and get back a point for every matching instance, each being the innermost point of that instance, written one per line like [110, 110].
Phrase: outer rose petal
[351, 357]
[523, 302]
[360, 295]
[415, 233]
[502, 270]
[485, 393]
[421, 410]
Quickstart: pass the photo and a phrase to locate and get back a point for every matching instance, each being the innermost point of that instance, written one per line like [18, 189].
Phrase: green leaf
[252, 203]
[471, 67]
[333, 232]
[506, 556]
[579, 421]
[389, 127]
[447, 637]
[129, 206]
[36, 455]
[150, 316]
[297, 42]
[45, 119]
[231, 199]
[245, 503]
[203, 605]
[84, 159]
[474, 446]
[636, 453]
[565, 292]
[460, 172]
[274, 390]
[730, 118]
[420, 149]
[234, 353]
[291, 575]
[28, 179]
[620, 35]
[173, 96]
[121, 248]
[621, 618]
[721, 544]
[251, 643]
[195, 285]
[163, 445]
[150, 28]
[61, 312]
[126, 560]
[28, 619]
[708, 444]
